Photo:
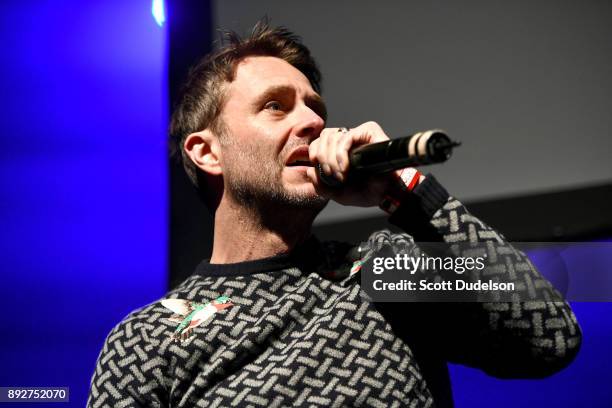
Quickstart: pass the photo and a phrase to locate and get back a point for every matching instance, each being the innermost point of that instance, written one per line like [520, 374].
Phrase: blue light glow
[87, 178]
[158, 12]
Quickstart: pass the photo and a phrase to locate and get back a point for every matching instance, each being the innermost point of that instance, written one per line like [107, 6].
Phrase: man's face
[270, 117]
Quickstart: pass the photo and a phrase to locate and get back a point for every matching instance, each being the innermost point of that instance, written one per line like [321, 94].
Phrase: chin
[304, 190]
[305, 196]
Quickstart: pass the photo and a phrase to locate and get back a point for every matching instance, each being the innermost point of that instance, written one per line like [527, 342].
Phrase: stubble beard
[259, 187]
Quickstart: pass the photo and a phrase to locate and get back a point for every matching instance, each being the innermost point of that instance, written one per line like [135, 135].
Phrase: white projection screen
[526, 86]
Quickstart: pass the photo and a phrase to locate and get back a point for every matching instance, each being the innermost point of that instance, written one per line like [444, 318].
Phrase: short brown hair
[202, 95]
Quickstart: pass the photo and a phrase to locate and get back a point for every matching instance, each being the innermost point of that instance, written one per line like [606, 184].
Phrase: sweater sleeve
[526, 339]
[127, 373]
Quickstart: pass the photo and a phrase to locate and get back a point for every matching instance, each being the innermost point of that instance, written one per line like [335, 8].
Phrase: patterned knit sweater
[296, 330]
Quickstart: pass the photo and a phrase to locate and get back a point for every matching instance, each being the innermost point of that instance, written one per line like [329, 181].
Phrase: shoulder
[144, 327]
[130, 360]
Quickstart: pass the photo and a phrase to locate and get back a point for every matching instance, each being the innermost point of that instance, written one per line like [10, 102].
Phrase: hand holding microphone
[347, 158]
[355, 167]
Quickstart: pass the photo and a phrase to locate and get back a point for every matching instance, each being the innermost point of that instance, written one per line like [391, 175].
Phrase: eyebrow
[313, 101]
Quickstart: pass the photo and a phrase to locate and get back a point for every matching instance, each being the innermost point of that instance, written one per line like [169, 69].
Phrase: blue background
[84, 215]
[84, 203]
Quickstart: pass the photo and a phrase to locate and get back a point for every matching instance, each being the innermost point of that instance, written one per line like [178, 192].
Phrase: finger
[312, 150]
[369, 132]
[332, 157]
[311, 172]
[322, 149]
[330, 151]
[342, 152]
[319, 186]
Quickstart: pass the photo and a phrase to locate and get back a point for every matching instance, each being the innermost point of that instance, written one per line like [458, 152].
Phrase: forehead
[254, 75]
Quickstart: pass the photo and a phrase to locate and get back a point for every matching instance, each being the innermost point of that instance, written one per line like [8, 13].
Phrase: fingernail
[339, 176]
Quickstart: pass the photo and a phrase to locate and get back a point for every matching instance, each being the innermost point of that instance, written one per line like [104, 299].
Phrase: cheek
[252, 145]
[255, 155]
[265, 148]
[272, 137]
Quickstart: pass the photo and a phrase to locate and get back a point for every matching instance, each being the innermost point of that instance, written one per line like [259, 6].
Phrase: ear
[204, 150]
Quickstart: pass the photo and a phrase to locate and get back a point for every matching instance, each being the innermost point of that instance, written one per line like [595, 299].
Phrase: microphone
[428, 147]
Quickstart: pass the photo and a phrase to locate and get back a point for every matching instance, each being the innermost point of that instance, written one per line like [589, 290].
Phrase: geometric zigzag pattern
[289, 340]
[549, 328]
[297, 339]
[544, 330]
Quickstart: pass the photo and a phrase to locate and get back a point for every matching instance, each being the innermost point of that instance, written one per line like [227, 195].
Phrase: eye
[273, 105]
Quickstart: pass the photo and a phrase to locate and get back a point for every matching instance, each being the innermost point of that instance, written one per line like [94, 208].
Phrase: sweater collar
[306, 255]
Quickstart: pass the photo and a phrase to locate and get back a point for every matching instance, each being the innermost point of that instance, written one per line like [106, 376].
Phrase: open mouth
[299, 157]
[299, 163]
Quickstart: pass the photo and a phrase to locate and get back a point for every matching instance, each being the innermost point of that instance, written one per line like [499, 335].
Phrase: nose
[310, 123]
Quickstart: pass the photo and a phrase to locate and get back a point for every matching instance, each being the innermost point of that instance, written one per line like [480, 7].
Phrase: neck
[243, 234]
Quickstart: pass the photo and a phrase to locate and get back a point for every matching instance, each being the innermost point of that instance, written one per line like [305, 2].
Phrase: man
[277, 318]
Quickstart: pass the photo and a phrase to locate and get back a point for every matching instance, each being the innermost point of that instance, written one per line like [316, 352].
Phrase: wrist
[405, 180]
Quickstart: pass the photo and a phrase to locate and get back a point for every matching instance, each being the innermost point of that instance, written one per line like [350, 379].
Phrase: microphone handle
[428, 147]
